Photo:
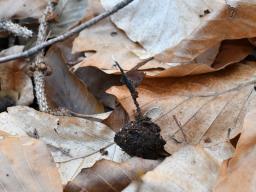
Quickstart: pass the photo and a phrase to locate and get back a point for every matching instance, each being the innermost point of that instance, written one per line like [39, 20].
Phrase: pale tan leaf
[68, 137]
[27, 166]
[75, 143]
[109, 176]
[70, 169]
[241, 167]
[108, 42]
[191, 169]
[210, 108]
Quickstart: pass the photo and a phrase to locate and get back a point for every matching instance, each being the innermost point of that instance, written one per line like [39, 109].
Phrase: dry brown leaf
[232, 52]
[14, 79]
[195, 25]
[242, 166]
[210, 108]
[22, 9]
[109, 176]
[210, 60]
[75, 143]
[106, 46]
[191, 169]
[108, 42]
[26, 165]
[65, 90]
[68, 137]
[98, 82]
[181, 47]
[253, 41]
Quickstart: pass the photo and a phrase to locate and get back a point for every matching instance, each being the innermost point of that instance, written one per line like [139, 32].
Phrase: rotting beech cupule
[141, 137]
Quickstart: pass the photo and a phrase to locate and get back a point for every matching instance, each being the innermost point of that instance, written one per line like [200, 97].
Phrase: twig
[132, 90]
[70, 33]
[38, 75]
[17, 30]
[180, 127]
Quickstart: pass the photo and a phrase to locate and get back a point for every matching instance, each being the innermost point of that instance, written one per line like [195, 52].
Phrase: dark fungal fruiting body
[141, 138]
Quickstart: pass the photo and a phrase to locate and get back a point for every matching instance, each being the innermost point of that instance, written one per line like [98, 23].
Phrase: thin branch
[14, 28]
[38, 75]
[68, 34]
[132, 90]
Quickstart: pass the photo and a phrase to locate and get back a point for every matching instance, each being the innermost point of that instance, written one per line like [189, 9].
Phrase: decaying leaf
[190, 39]
[209, 108]
[109, 176]
[26, 165]
[14, 79]
[191, 169]
[241, 167]
[65, 90]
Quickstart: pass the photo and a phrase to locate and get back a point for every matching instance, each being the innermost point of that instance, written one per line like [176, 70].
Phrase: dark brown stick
[132, 90]
[68, 34]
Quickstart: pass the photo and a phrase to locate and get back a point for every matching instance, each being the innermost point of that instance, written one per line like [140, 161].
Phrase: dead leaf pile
[193, 65]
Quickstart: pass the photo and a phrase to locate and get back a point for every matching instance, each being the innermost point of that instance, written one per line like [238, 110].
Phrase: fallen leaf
[65, 90]
[107, 42]
[191, 169]
[195, 25]
[190, 40]
[98, 82]
[68, 137]
[118, 118]
[241, 167]
[14, 79]
[210, 108]
[109, 176]
[70, 169]
[226, 56]
[75, 143]
[26, 165]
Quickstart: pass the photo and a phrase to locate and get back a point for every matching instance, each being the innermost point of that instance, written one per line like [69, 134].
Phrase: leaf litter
[195, 77]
